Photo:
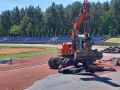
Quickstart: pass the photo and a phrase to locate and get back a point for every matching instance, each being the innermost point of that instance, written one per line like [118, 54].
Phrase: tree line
[58, 20]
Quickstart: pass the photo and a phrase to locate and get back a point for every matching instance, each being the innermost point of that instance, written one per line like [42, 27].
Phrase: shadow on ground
[105, 80]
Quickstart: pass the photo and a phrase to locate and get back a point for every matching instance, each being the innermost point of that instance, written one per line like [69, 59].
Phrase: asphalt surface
[109, 81]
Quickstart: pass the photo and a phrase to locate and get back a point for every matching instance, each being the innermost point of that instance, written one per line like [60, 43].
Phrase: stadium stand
[97, 39]
[45, 40]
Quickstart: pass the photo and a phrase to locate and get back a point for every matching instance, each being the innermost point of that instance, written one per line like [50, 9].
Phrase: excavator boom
[82, 19]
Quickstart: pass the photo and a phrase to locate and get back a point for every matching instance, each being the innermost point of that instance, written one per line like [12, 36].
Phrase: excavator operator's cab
[82, 42]
[79, 42]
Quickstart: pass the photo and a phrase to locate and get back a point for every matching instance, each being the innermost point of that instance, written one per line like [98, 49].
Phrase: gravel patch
[109, 81]
[112, 55]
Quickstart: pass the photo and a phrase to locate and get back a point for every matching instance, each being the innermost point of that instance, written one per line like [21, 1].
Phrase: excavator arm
[68, 48]
[77, 25]
[83, 18]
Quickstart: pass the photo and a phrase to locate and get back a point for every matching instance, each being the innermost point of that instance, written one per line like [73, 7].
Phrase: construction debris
[111, 50]
[95, 67]
[85, 70]
[115, 61]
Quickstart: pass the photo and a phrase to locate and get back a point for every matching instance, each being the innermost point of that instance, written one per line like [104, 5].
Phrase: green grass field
[100, 47]
[27, 46]
[113, 40]
[27, 54]
[51, 50]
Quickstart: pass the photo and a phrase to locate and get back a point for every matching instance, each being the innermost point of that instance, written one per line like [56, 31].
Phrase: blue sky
[10, 4]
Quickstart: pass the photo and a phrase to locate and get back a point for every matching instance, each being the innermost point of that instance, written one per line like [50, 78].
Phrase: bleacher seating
[96, 39]
[52, 40]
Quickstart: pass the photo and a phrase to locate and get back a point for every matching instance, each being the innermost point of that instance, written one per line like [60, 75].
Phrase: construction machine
[79, 49]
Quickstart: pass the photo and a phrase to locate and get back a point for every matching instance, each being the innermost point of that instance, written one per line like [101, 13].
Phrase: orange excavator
[79, 50]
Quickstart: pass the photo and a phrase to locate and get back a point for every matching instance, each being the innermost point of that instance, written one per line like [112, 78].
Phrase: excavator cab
[79, 42]
[66, 47]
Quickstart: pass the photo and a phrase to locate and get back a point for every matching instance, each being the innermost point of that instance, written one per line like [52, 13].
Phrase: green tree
[39, 22]
[25, 26]
[96, 12]
[51, 20]
[15, 16]
[15, 30]
[57, 20]
[115, 8]
[106, 6]
[5, 22]
[107, 23]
